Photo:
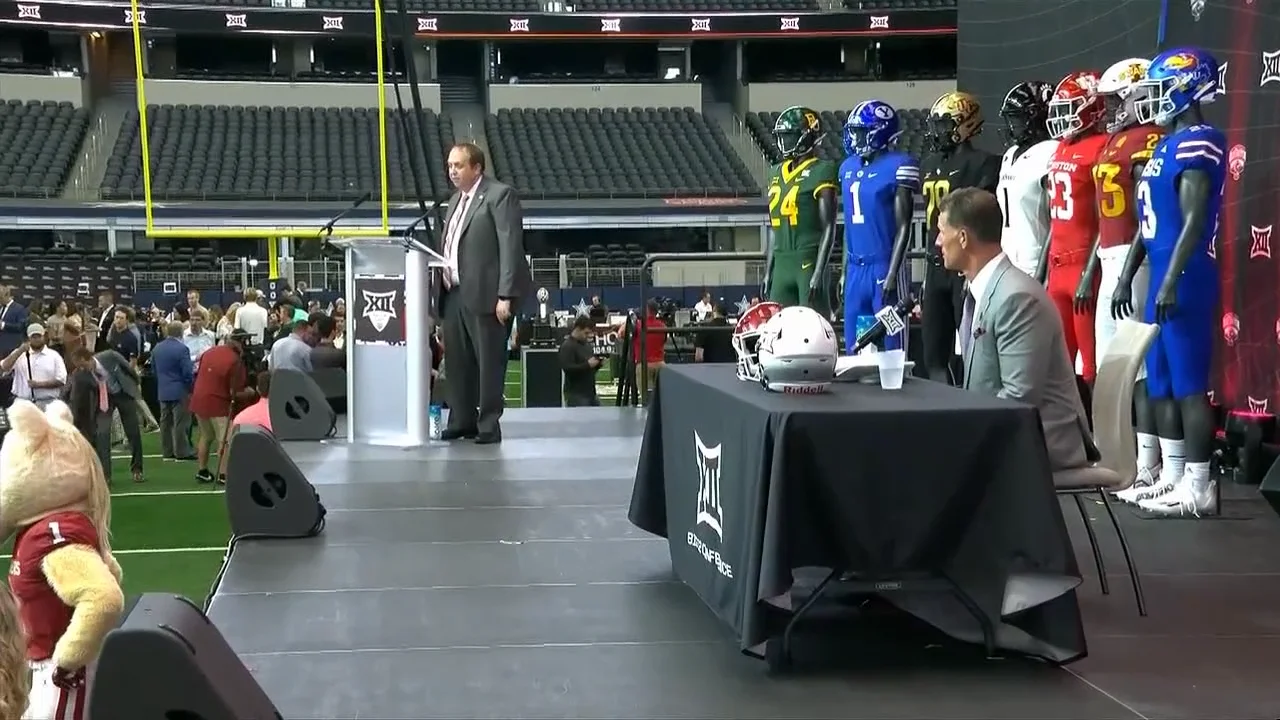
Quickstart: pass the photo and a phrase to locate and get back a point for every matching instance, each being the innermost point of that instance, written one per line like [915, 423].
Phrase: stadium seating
[206, 152]
[59, 273]
[39, 142]
[601, 153]
[534, 6]
[635, 6]
[912, 140]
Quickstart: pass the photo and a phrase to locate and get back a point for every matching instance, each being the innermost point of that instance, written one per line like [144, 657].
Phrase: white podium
[390, 292]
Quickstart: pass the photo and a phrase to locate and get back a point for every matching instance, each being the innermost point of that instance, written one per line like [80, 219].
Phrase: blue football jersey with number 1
[1200, 148]
[869, 190]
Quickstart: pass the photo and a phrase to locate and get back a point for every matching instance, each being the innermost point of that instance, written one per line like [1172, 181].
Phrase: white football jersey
[1019, 191]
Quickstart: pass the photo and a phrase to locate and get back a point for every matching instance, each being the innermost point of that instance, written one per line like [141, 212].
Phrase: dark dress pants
[476, 351]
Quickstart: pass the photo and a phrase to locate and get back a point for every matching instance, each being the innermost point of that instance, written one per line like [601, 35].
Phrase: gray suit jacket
[491, 256]
[121, 375]
[1019, 352]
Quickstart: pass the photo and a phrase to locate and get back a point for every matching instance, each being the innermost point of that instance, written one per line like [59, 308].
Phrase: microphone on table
[326, 231]
[889, 321]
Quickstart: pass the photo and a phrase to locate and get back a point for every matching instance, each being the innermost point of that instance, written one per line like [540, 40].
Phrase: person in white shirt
[1024, 201]
[703, 310]
[197, 337]
[39, 373]
[252, 317]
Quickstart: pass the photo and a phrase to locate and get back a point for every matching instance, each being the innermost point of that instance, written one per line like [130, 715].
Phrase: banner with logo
[1244, 37]
[377, 309]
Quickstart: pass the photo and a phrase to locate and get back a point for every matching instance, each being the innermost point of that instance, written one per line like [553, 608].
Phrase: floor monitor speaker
[167, 660]
[267, 495]
[299, 409]
[1270, 487]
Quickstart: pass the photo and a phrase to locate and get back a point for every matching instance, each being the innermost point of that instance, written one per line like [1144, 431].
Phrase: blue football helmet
[872, 126]
[1176, 80]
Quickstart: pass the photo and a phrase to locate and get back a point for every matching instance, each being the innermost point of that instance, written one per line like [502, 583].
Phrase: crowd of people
[187, 373]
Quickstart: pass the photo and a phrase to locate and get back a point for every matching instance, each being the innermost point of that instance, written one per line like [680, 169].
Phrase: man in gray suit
[1011, 335]
[483, 240]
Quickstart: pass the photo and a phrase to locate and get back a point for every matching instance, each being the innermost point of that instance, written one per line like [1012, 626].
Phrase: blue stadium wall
[1003, 42]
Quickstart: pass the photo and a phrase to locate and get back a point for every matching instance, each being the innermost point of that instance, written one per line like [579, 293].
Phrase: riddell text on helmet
[803, 389]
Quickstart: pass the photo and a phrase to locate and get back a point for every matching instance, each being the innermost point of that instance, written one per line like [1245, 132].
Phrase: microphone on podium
[889, 321]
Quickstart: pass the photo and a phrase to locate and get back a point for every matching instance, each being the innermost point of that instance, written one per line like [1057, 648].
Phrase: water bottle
[436, 424]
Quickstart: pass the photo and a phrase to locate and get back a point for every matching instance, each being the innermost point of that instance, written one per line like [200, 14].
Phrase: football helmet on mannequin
[1116, 88]
[1175, 81]
[1075, 108]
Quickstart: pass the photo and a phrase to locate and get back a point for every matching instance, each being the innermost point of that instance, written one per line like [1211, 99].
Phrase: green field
[170, 533]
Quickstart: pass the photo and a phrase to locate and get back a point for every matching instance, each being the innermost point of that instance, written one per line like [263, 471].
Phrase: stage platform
[473, 581]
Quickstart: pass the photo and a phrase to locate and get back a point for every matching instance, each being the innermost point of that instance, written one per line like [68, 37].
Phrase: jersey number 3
[1146, 216]
[1061, 206]
[1111, 196]
[783, 206]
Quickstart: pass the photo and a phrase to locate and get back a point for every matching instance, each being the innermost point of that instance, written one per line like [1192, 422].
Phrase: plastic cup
[892, 364]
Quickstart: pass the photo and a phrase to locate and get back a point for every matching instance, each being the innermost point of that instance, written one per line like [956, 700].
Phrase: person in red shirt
[655, 346]
[1076, 118]
[220, 383]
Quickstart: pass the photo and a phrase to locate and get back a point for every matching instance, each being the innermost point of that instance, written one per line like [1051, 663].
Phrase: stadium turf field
[170, 533]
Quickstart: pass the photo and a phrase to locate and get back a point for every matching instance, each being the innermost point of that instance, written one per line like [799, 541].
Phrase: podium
[391, 290]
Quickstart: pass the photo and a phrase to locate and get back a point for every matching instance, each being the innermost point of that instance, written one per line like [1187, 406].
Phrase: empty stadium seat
[39, 142]
[728, 6]
[832, 148]
[206, 152]
[601, 153]
[535, 6]
[56, 273]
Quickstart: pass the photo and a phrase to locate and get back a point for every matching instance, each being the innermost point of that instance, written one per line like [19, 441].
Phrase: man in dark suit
[483, 240]
[13, 332]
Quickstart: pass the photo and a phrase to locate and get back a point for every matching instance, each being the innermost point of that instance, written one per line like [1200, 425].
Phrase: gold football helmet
[955, 118]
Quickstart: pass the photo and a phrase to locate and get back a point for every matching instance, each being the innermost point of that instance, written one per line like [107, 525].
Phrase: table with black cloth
[937, 499]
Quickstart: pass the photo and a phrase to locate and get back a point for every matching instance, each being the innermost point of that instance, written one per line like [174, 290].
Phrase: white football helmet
[1116, 86]
[797, 352]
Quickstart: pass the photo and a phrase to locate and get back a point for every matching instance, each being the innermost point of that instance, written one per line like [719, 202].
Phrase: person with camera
[579, 363]
[715, 344]
[39, 373]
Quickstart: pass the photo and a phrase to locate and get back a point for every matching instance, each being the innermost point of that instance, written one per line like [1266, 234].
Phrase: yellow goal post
[248, 232]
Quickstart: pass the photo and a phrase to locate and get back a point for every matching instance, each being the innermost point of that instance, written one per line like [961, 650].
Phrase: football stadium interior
[176, 161]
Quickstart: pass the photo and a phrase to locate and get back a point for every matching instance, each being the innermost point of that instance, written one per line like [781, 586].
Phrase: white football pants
[50, 702]
[1112, 264]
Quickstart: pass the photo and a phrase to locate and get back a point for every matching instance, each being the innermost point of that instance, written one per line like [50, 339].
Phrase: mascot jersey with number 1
[802, 208]
[878, 185]
[1076, 115]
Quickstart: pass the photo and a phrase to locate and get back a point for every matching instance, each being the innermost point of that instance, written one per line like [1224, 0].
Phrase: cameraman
[579, 362]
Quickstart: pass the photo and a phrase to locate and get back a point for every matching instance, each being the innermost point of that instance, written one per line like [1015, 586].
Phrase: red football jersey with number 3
[44, 616]
[1073, 212]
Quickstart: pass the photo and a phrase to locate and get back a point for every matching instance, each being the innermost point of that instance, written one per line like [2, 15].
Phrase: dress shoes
[463, 434]
[489, 438]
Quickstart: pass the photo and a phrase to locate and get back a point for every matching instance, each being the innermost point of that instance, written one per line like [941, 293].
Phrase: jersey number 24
[783, 206]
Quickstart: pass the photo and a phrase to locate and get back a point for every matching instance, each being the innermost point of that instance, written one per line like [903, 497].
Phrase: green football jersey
[793, 202]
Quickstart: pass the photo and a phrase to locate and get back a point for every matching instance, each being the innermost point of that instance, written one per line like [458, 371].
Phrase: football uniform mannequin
[1075, 119]
[1116, 175]
[1179, 199]
[879, 186]
[802, 213]
[954, 120]
[1022, 192]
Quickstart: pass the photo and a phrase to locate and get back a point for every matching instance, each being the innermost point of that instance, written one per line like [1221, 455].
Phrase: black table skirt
[749, 485]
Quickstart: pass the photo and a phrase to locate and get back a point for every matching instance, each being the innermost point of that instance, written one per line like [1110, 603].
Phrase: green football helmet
[797, 132]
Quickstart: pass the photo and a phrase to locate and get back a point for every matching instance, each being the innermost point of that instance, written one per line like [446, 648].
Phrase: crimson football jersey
[1113, 178]
[1073, 212]
[44, 616]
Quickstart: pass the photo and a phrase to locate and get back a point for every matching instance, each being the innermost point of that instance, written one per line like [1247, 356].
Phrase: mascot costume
[55, 503]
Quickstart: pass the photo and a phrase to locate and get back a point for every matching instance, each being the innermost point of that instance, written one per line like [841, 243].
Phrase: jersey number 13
[1146, 216]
